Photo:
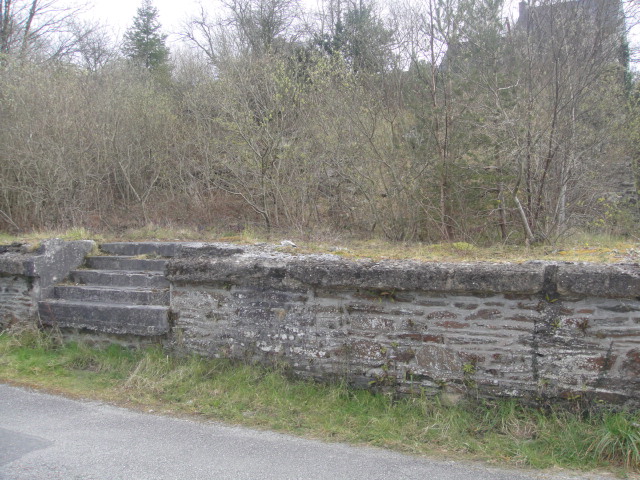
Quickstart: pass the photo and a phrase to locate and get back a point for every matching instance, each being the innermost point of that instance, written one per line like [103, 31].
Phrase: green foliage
[364, 40]
[462, 246]
[618, 439]
[6, 238]
[468, 369]
[80, 233]
[360, 37]
[614, 217]
[144, 43]
[28, 337]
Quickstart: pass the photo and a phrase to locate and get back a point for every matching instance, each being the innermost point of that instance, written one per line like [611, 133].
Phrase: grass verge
[499, 432]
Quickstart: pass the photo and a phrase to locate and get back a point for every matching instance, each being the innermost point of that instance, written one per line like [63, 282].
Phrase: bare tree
[566, 60]
[36, 27]
[95, 47]
[263, 23]
[206, 34]
[249, 26]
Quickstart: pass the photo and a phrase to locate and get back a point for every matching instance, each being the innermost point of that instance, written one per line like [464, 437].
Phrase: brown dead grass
[579, 248]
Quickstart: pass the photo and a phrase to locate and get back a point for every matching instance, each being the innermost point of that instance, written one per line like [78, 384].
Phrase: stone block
[440, 361]
[147, 320]
[608, 281]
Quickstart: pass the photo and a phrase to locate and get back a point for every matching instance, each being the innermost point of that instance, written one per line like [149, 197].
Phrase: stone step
[143, 320]
[126, 263]
[119, 278]
[121, 295]
[132, 249]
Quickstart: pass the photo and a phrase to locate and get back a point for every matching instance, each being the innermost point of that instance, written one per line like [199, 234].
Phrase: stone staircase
[116, 293]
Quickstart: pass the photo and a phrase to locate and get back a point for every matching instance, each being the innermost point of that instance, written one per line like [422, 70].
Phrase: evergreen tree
[360, 35]
[365, 39]
[144, 43]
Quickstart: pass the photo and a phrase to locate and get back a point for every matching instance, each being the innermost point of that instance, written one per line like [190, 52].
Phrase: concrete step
[143, 320]
[121, 295]
[132, 249]
[126, 263]
[119, 278]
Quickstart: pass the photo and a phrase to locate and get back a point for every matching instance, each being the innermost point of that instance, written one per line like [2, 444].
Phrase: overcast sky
[119, 13]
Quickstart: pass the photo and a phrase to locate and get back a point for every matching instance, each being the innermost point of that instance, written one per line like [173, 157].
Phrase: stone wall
[28, 274]
[16, 301]
[540, 331]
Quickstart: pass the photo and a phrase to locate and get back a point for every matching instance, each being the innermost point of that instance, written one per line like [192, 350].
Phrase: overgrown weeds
[503, 431]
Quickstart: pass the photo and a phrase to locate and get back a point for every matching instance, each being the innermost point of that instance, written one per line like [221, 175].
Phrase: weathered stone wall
[16, 301]
[535, 330]
[28, 274]
[540, 331]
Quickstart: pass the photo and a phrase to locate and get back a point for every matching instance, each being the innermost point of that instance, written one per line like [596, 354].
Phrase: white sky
[119, 14]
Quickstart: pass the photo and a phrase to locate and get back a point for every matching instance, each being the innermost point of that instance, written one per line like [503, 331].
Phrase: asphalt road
[44, 437]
